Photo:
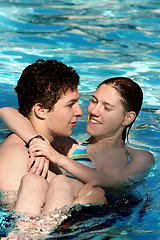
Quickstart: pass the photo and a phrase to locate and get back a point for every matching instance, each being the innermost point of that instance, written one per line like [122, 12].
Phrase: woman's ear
[39, 111]
[130, 117]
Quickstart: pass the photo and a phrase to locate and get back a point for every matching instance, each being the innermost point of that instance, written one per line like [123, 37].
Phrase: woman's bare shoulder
[143, 155]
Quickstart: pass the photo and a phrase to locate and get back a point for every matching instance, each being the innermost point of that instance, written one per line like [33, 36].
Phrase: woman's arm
[76, 169]
[142, 161]
[17, 123]
[135, 171]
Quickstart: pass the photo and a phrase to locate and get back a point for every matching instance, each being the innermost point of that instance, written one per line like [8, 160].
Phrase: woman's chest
[108, 160]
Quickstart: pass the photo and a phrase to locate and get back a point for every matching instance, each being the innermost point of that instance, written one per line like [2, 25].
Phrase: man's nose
[79, 111]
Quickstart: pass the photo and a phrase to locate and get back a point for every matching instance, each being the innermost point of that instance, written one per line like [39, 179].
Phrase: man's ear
[130, 117]
[39, 111]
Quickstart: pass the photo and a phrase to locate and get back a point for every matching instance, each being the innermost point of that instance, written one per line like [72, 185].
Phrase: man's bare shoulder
[13, 162]
[12, 139]
[13, 148]
[12, 143]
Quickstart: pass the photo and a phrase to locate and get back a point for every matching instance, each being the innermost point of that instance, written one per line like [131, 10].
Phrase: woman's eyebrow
[105, 103]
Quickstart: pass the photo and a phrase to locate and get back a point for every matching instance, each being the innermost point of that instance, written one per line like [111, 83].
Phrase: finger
[35, 165]
[37, 153]
[37, 142]
[30, 163]
[40, 165]
[36, 150]
[45, 168]
[33, 148]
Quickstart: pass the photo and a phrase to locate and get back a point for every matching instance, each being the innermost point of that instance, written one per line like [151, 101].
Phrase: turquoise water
[100, 39]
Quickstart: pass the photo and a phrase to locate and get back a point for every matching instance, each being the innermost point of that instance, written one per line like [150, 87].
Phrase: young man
[48, 97]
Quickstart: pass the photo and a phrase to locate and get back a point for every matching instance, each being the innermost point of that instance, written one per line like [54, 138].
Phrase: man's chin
[66, 134]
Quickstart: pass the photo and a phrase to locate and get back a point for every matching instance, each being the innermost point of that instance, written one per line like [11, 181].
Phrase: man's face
[63, 116]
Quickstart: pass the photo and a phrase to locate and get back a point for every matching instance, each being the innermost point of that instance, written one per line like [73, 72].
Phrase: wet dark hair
[44, 82]
[131, 96]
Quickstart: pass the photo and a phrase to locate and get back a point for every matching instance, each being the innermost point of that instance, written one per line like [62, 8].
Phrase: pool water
[100, 39]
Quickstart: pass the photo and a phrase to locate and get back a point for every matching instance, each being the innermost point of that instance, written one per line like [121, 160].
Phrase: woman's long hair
[131, 95]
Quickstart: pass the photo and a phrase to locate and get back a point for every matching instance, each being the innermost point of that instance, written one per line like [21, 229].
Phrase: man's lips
[73, 124]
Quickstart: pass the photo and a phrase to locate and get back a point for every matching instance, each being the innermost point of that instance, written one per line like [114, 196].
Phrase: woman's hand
[38, 165]
[40, 150]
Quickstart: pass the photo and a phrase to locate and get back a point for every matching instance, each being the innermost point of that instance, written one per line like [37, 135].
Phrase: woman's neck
[106, 142]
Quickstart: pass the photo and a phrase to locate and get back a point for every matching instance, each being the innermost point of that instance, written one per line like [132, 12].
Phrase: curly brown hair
[44, 82]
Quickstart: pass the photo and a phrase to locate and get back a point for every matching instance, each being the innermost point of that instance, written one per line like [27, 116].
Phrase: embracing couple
[48, 168]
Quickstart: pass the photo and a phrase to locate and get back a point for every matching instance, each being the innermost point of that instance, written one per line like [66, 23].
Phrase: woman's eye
[93, 101]
[107, 109]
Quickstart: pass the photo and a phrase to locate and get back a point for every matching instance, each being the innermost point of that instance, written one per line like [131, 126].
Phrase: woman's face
[105, 113]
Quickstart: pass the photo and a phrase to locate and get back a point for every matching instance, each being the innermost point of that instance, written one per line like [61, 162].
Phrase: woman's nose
[95, 110]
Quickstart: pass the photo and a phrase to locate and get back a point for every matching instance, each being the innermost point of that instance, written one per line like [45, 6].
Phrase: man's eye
[70, 105]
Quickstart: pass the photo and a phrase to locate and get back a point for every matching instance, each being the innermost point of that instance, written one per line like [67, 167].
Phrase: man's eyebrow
[72, 100]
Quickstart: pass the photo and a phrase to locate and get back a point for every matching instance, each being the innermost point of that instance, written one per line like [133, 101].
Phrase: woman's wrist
[64, 162]
[30, 140]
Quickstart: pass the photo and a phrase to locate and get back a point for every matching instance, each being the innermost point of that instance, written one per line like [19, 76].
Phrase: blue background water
[100, 39]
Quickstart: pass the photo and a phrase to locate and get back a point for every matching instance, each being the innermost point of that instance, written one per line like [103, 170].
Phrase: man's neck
[41, 129]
